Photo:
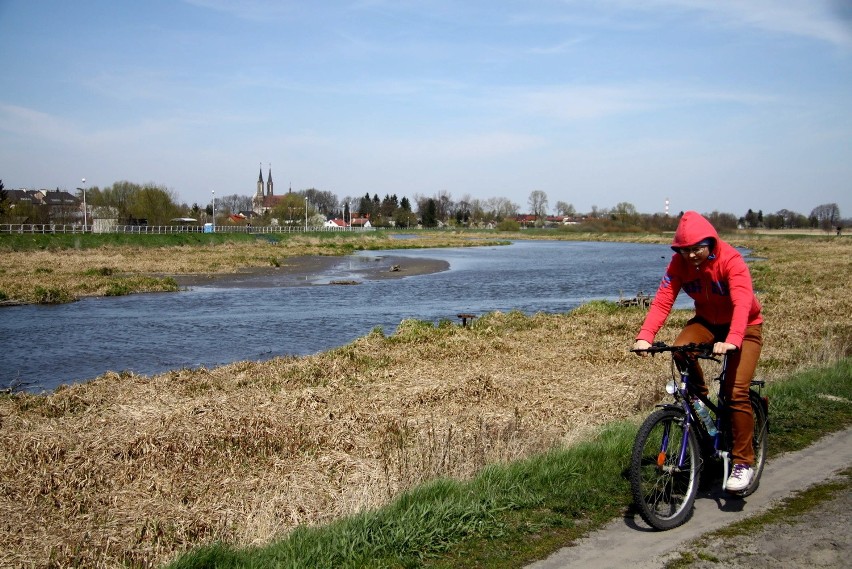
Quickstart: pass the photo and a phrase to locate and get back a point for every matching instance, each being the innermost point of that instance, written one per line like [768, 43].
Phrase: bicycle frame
[685, 394]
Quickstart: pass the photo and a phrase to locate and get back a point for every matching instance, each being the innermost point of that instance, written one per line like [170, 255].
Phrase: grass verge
[510, 515]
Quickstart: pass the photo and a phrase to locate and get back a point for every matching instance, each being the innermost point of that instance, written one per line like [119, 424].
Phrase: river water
[210, 325]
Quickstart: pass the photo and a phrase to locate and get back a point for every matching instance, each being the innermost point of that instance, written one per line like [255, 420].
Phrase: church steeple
[269, 182]
[260, 181]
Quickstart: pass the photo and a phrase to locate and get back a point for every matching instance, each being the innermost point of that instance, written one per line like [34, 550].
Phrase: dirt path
[821, 539]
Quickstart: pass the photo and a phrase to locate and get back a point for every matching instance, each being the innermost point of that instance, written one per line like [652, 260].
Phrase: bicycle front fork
[726, 460]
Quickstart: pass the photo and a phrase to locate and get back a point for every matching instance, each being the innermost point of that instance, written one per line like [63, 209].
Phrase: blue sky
[714, 104]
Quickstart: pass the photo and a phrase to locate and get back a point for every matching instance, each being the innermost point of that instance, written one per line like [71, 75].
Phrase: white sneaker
[740, 478]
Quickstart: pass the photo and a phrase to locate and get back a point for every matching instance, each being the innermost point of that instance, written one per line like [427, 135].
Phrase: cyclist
[727, 313]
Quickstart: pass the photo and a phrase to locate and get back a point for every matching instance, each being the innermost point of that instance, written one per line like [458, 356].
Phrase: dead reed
[132, 470]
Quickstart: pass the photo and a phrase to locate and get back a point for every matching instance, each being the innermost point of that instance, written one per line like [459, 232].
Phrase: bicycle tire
[759, 440]
[663, 494]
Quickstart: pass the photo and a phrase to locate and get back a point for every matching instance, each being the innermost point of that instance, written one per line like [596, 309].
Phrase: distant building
[60, 206]
[264, 199]
[336, 222]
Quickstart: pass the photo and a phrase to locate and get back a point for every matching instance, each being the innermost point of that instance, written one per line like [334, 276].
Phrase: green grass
[512, 514]
[31, 242]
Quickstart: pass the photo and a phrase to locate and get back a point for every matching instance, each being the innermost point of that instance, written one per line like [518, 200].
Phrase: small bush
[100, 272]
[118, 289]
[508, 225]
[47, 295]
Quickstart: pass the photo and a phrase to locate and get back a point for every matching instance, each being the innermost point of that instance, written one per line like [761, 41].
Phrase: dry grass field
[132, 470]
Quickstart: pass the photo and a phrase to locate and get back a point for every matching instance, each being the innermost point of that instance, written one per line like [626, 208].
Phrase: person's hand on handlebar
[639, 347]
[721, 348]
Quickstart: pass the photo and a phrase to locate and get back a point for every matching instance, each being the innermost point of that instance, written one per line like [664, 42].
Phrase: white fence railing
[53, 228]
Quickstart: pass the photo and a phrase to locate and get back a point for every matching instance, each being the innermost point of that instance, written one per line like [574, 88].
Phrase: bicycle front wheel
[665, 469]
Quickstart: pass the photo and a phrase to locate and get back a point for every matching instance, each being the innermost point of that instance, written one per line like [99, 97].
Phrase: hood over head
[692, 229]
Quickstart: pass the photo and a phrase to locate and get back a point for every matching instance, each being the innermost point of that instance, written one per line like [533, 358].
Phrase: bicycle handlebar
[701, 351]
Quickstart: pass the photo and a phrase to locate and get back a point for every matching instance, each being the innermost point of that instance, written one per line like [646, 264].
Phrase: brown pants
[741, 366]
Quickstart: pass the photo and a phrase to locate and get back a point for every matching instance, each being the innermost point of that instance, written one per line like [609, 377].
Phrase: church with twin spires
[264, 199]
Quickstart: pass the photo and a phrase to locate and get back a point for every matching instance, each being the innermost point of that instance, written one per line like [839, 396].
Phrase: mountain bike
[674, 443]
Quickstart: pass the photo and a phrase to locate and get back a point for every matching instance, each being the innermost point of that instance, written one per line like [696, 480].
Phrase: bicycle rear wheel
[663, 492]
[759, 441]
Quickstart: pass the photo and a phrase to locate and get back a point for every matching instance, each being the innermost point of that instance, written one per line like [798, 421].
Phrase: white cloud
[21, 121]
[814, 19]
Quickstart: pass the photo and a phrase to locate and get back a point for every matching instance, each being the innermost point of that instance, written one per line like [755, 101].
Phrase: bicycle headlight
[671, 387]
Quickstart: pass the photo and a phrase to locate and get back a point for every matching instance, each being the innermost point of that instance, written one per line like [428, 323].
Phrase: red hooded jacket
[721, 286]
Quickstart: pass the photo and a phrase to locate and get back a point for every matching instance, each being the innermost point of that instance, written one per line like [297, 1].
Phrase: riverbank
[40, 269]
[313, 269]
[133, 470]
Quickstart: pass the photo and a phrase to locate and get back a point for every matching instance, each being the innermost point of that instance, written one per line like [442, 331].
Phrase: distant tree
[751, 219]
[404, 217]
[390, 203]
[501, 208]
[116, 197]
[28, 212]
[429, 216]
[464, 211]
[234, 203]
[721, 221]
[365, 206]
[325, 202]
[565, 209]
[538, 204]
[290, 209]
[825, 216]
[156, 204]
[773, 221]
[444, 205]
[376, 210]
[791, 219]
[624, 212]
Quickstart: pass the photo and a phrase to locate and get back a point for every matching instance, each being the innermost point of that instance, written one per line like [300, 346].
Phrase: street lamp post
[306, 214]
[85, 213]
[213, 192]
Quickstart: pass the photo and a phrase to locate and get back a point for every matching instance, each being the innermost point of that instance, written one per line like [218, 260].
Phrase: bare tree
[538, 204]
[234, 203]
[323, 200]
[565, 209]
[825, 216]
[625, 212]
[501, 208]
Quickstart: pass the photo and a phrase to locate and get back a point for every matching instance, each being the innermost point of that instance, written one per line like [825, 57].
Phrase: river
[211, 325]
